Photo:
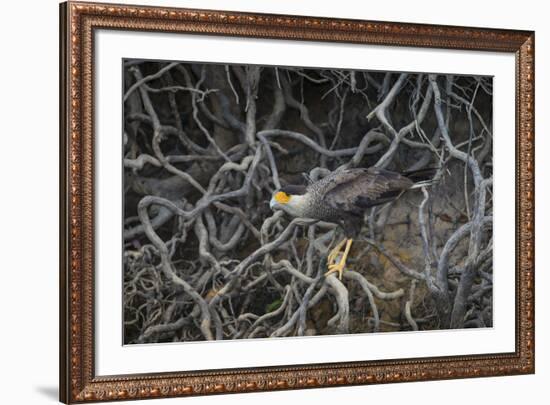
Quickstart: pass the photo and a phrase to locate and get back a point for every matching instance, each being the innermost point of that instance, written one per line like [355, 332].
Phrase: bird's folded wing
[355, 190]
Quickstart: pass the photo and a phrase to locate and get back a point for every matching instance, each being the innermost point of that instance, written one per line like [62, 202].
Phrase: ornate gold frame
[78, 381]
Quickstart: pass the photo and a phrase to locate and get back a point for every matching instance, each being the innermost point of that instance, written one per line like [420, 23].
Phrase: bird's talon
[336, 268]
[340, 266]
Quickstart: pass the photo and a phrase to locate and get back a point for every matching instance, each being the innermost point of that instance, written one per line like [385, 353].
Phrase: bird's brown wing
[355, 190]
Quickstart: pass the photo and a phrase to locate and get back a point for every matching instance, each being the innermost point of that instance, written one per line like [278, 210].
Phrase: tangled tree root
[205, 147]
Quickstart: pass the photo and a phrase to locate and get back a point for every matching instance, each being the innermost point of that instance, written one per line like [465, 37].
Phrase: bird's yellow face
[281, 197]
[279, 200]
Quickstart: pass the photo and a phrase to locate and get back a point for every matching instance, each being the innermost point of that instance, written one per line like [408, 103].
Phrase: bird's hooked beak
[272, 203]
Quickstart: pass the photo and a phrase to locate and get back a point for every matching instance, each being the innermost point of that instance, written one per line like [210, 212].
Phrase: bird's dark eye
[281, 197]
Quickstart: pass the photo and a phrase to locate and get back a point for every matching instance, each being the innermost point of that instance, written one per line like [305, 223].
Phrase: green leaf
[274, 305]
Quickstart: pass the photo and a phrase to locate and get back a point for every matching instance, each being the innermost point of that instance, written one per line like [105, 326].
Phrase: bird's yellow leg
[339, 267]
[331, 258]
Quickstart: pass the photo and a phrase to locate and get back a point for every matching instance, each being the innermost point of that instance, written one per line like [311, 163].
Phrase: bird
[342, 197]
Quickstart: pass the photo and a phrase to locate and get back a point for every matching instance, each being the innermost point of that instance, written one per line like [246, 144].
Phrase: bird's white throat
[296, 206]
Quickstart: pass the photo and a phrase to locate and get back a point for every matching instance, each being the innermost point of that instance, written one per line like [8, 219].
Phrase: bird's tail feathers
[425, 183]
[422, 177]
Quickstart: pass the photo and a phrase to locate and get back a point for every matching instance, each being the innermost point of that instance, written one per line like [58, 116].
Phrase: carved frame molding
[78, 382]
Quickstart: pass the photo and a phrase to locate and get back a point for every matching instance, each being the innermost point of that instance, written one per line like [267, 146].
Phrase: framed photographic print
[260, 202]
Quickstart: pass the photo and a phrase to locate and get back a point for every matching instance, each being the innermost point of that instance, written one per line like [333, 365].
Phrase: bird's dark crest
[292, 189]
